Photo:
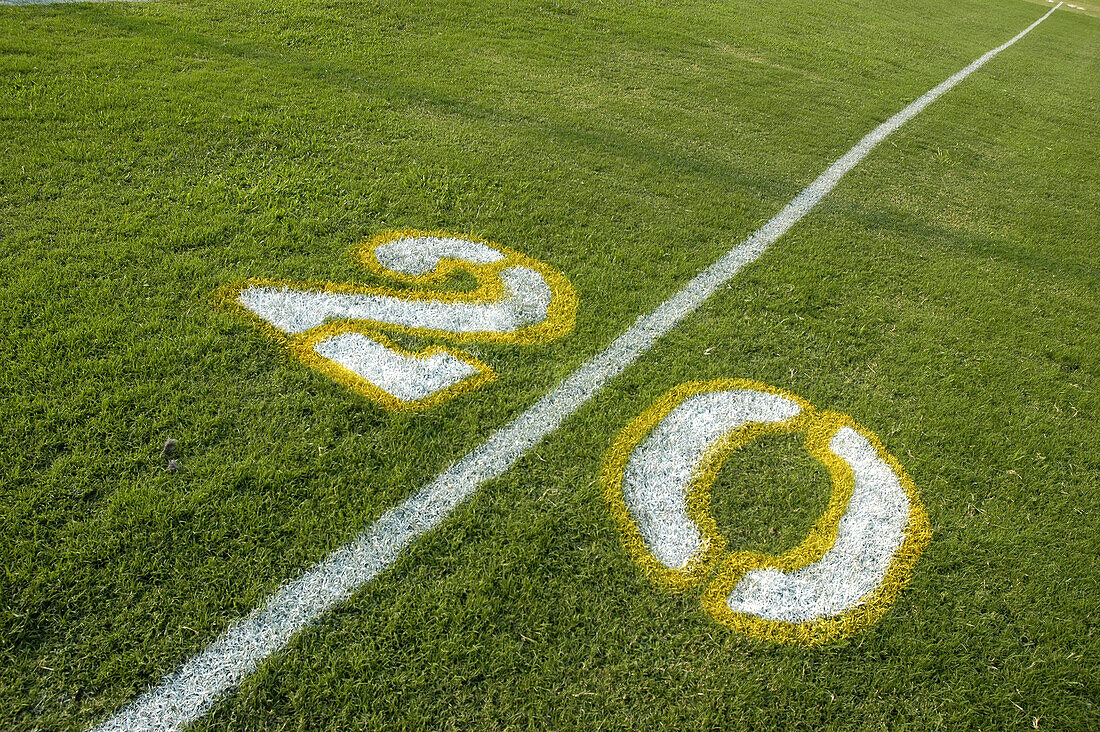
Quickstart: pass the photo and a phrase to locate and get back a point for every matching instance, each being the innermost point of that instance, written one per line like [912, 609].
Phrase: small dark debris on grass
[169, 449]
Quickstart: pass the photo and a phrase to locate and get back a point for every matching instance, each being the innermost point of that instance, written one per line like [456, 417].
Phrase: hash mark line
[190, 691]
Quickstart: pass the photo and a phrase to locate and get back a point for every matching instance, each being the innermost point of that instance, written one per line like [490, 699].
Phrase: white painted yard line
[189, 692]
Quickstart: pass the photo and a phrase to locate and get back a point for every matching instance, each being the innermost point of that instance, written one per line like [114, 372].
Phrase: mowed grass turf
[946, 295]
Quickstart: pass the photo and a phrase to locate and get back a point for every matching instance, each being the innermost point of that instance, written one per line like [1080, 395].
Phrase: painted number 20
[341, 329]
[660, 470]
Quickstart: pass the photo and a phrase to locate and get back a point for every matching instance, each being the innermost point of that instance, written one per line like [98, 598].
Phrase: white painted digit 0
[340, 329]
[658, 479]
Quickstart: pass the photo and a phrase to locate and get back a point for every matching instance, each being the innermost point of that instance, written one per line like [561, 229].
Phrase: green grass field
[946, 295]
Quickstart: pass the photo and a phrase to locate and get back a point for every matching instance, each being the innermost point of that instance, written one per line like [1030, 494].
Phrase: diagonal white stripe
[189, 692]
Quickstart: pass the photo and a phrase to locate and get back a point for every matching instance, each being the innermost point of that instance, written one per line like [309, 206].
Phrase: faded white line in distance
[190, 691]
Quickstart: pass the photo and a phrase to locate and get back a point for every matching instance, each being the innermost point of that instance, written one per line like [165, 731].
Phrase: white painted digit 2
[658, 477]
[339, 329]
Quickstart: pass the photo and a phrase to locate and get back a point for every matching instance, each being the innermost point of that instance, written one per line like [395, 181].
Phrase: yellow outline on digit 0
[719, 571]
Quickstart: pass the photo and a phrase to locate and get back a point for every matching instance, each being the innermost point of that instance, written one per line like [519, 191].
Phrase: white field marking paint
[660, 470]
[396, 378]
[420, 255]
[190, 691]
[408, 378]
[870, 532]
[526, 302]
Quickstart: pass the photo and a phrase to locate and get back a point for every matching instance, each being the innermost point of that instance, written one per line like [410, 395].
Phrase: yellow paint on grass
[719, 571]
[559, 321]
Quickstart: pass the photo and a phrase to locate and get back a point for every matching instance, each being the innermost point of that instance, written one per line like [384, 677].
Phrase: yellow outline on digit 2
[719, 571]
[303, 349]
[559, 322]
